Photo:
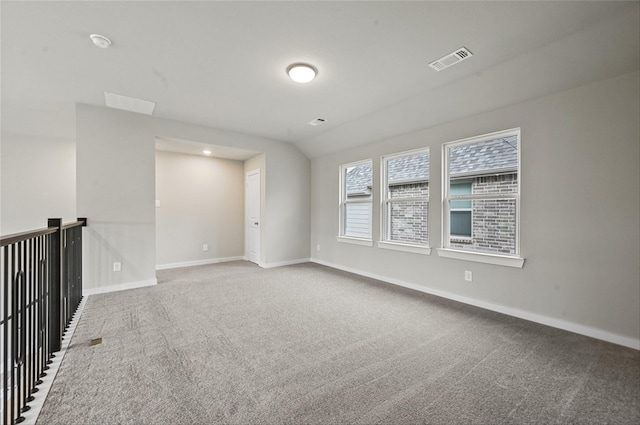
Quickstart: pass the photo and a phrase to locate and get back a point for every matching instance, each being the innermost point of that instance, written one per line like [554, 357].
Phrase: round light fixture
[206, 152]
[301, 72]
[100, 40]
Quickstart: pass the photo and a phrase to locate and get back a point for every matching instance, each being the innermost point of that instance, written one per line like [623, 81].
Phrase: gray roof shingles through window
[410, 168]
[359, 180]
[497, 155]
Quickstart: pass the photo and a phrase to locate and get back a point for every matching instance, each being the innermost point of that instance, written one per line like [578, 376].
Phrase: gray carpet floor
[305, 344]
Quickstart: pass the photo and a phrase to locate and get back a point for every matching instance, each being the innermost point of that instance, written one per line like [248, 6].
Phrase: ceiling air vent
[451, 59]
[317, 121]
[130, 104]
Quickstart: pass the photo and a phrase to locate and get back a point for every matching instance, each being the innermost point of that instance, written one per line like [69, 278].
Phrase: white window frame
[343, 202]
[385, 200]
[514, 260]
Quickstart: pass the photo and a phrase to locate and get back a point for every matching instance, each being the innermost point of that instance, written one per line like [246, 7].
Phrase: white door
[252, 208]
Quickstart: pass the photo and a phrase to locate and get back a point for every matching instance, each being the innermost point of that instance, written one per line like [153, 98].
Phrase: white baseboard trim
[198, 262]
[39, 397]
[284, 263]
[119, 287]
[522, 314]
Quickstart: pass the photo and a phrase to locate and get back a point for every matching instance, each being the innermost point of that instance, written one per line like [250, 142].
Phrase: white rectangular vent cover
[451, 59]
[317, 121]
[130, 104]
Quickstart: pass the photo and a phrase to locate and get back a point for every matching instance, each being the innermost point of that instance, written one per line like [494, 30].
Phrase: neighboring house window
[482, 193]
[460, 223]
[405, 194]
[356, 183]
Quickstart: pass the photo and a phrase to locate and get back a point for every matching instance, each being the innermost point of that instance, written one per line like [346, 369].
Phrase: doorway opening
[200, 203]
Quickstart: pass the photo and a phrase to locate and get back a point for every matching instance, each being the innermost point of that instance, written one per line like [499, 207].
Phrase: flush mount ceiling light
[100, 40]
[301, 72]
[206, 152]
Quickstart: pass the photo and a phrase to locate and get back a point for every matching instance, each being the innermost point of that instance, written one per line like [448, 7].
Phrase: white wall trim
[481, 257]
[31, 416]
[522, 314]
[284, 263]
[398, 246]
[199, 262]
[119, 287]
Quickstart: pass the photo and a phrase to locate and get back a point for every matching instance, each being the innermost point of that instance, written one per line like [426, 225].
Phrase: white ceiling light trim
[301, 72]
[451, 59]
[100, 40]
[127, 103]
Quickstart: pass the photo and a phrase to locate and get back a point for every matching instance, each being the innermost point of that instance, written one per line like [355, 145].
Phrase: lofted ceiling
[222, 64]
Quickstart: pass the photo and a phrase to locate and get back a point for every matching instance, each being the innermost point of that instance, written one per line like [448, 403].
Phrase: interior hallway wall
[580, 213]
[116, 192]
[201, 201]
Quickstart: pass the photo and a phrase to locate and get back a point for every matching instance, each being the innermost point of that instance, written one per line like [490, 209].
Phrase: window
[405, 198]
[460, 222]
[481, 197]
[356, 183]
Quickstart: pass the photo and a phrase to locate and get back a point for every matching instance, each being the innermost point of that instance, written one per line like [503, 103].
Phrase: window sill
[481, 257]
[396, 246]
[461, 240]
[355, 241]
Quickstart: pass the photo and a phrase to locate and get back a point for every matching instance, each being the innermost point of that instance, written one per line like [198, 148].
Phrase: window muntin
[405, 198]
[356, 183]
[481, 193]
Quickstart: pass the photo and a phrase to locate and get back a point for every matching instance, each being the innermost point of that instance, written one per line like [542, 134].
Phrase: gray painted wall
[580, 212]
[201, 202]
[116, 191]
[38, 178]
[115, 163]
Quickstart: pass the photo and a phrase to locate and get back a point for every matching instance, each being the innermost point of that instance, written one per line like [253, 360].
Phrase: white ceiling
[222, 64]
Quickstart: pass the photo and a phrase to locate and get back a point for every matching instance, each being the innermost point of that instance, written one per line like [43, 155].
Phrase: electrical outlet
[117, 266]
[468, 276]
[318, 247]
[205, 247]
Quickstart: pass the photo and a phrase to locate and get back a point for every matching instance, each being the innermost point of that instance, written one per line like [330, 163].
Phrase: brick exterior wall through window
[493, 221]
[409, 219]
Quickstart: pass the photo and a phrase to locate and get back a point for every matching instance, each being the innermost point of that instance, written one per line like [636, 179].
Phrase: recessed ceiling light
[100, 40]
[206, 152]
[127, 103]
[301, 72]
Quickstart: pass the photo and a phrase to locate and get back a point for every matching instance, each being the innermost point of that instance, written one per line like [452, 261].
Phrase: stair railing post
[55, 282]
[77, 264]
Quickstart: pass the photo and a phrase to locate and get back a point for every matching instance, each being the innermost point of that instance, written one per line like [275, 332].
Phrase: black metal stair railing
[40, 290]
